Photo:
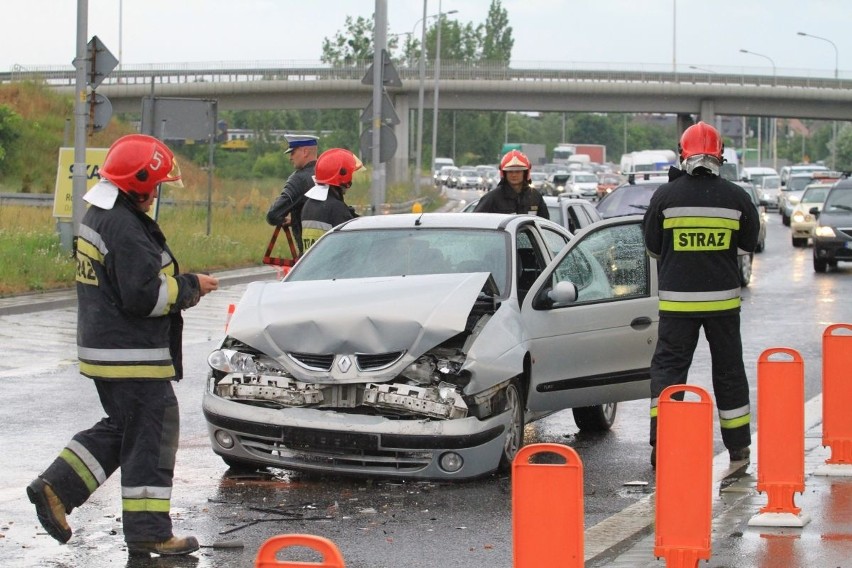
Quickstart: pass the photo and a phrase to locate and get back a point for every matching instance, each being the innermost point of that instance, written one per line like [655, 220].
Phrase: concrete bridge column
[708, 111]
[397, 167]
[684, 121]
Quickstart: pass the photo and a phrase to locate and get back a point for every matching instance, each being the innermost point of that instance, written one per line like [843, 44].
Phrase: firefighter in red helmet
[324, 207]
[130, 294]
[694, 226]
[514, 194]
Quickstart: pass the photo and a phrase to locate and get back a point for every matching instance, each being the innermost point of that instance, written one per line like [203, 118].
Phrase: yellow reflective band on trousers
[80, 469]
[127, 371]
[732, 423]
[145, 505]
[712, 306]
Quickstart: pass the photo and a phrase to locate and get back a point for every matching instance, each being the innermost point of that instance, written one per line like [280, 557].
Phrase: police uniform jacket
[504, 199]
[292, 199]
[319, 217]
[696, 225]
[129, 296]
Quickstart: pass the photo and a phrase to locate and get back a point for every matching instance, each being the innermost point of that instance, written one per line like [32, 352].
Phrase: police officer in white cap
[302, 151]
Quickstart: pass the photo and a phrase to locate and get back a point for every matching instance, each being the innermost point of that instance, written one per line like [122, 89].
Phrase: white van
[441, 162]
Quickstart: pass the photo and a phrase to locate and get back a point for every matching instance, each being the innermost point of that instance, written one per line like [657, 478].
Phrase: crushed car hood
[363, 315]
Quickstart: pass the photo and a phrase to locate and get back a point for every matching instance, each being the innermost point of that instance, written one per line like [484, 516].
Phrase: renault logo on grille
[344, 363]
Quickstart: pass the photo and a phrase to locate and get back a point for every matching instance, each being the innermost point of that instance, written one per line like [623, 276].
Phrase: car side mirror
[814, 211]
[563, 293]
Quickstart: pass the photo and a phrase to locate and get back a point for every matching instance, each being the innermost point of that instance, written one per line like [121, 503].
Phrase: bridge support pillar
[684, 121]
[708, 111]
[397, 167]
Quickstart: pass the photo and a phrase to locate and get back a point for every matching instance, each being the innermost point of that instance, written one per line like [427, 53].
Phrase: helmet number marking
[156, 161]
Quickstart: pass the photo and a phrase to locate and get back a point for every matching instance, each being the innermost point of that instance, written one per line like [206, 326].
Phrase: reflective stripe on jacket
[696, 226]
[129, 296]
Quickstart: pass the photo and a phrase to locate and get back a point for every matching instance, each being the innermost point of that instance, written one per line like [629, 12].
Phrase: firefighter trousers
[139, 435]
[678, 338]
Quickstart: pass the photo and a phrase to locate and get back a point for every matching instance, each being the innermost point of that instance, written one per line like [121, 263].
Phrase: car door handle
[640, 323]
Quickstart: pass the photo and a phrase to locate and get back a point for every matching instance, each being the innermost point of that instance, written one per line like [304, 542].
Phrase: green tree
[844, 148]
[496, 35]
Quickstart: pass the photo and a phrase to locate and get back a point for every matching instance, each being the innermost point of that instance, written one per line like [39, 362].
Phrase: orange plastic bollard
[231, 308]
[780, 435]
[836, 394]
[684, 498]
[331, 557]
[547, 509]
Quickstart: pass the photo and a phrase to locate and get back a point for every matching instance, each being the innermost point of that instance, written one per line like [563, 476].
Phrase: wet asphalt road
[375, 523]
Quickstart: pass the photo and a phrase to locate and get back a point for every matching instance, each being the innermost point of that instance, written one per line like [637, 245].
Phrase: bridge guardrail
[450, 71]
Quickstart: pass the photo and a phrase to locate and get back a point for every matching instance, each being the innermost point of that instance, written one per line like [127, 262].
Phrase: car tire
[761, 246]
[820, 265]
[745, 270]
[785, 220]
[514, 439]
[800, 242]
[599, 418]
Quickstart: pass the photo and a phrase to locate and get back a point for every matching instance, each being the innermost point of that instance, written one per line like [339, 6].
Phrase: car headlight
[431, 369]
[230, 361]
[798, 217]
[823, 231]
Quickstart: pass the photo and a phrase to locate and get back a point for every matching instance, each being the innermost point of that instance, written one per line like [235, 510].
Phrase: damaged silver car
[418, 346]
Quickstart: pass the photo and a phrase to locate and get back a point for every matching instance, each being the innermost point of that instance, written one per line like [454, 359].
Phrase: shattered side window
[607, 264]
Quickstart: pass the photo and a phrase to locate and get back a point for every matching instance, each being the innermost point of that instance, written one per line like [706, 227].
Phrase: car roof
[435, 220]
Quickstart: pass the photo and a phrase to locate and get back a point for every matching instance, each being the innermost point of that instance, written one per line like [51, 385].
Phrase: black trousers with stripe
[140, 435]
[678, 338]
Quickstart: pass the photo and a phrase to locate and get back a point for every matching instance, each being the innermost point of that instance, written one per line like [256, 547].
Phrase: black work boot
[739, 454]
[174, 546]
[50, 510]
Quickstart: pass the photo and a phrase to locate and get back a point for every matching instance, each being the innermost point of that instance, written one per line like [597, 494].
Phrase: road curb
[67, 297]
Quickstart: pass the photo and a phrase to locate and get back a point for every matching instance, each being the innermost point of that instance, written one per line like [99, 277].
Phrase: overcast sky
[627, 34]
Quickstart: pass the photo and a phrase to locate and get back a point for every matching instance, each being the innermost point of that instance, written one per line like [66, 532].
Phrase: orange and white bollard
[547, 508]
[684, 498]
[231, 308]
[780, 437]
[269, 550]
[836, 394]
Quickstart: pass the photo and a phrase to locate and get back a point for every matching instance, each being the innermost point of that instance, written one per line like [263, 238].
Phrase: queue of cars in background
[767, 182]
[792, 191]
[507, 319]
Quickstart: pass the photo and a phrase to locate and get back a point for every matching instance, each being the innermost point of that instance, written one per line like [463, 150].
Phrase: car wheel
[761, 246]
[598, 418]
[515, 433]
[820, 265]
[800, 242]
[745, 269]
[785, 220]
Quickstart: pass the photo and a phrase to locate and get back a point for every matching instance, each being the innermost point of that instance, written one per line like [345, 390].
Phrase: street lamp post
[704, 69]
[420, 94]
[774, 120]
[834, 122]
[437, 80]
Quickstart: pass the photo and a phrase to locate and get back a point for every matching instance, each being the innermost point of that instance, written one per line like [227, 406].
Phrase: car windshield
[627, 200]
[795, 183]
[397, 252]
[838, 201]
[560, 179]
[815, 194]
[586, 178]
[766, 181]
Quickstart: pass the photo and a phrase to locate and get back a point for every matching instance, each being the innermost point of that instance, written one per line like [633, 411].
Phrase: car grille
[365, 361]
[377, 361]
[343, 449]
[313, 361]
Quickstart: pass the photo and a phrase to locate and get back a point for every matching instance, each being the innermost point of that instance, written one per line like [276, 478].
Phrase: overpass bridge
[470, 86]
